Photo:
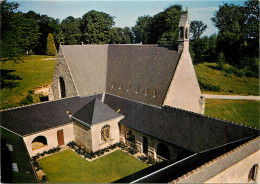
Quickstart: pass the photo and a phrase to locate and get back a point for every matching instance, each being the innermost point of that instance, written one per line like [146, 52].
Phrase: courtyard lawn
[68, 167]
[240, 111]
[18, 78]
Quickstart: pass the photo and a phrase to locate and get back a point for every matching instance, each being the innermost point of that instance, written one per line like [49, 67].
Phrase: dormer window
[154, 93]
[146, 92]
[137, 89]
[120, 86]
[113, 84]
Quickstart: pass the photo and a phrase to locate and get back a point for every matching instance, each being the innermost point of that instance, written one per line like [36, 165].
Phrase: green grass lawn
[30, 73]
[239, 111]
[229, 84]
[68, 167]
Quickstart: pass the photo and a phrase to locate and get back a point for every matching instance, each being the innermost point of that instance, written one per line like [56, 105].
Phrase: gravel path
[233, 97]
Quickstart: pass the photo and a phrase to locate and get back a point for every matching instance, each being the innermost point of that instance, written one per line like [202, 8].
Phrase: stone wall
[83, 136]
[62, 70]
[175, 152]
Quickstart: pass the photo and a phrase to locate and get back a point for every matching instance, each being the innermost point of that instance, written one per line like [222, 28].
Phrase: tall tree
[238, 31]
[18, 33]
[96, 27]
[51, 49]
[141, 29]
[71, 31]
[197, 28]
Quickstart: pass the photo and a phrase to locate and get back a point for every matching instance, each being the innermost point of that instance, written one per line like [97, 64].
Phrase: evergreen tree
[51, 49]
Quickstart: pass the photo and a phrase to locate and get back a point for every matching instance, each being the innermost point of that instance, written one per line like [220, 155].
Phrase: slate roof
[88, 67]
[193, 132]
[183, 19]
[95, 68]
[224, 162]
[95, 112]
[34, 118]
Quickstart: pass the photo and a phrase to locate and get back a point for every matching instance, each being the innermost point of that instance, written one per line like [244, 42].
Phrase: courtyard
[68, 167]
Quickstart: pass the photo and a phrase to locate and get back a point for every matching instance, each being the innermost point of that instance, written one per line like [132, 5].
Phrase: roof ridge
[210, 117]
[214, 160]
[39, 103]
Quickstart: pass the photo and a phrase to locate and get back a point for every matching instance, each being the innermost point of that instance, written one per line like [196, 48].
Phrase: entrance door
[60, 137]
[145, 145]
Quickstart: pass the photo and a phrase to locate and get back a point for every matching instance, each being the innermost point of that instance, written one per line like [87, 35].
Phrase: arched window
[39, 142]
[105, 133]
[253, 173]
[186, 33]
[163, 151]
[129, 136]
[62, 88]
[181, 30]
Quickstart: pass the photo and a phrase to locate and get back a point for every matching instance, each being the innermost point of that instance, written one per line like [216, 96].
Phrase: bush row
[209, 87]
[148, 160]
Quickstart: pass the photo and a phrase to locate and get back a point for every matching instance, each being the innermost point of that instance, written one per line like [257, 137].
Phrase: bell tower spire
[184, 27]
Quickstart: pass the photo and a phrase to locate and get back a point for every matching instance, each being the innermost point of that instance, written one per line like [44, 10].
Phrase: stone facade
[83, 136]
[62, 70]
[51, 136]
[175, 152]
[90, 138]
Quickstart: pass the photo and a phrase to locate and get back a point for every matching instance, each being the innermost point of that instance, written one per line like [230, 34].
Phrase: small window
[120, 86]
[137, 89]
[105, 133]
[253, 173]
[128, 88]
[186, 33]
[113, 84]
[146, 92]
[181, 30]
[154, 93]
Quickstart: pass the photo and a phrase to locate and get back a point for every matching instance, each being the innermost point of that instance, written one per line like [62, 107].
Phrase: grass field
[239, 111]
[68, 167]
[229, 83]
[30, 73]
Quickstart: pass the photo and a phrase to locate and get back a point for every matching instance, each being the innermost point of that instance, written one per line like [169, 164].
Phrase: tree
[197, 28]
[18, 33]
[71, 31]
[51, 49]
[238, 31]
[164, 26]
[96, 27]
[141, 29]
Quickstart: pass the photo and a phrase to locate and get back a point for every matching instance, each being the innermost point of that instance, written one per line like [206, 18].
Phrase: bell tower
[184, 28]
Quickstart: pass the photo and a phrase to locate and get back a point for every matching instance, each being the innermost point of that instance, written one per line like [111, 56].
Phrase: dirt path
[231, 97]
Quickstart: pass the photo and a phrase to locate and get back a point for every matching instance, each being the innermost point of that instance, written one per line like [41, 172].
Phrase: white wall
[184, 91]
[239, 172]
[51, 136]
[97, 144]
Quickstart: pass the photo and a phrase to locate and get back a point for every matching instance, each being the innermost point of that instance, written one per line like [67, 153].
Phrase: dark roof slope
[95, 112]
[148, 68]
[39, 117]
[19, 155]
[184, 129]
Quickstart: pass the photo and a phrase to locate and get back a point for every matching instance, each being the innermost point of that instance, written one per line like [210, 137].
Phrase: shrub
[51, 49]
[44, 178]
[27, 100]
[209, 87]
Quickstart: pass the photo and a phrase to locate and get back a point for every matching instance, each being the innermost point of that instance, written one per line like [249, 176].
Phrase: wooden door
[60, 137]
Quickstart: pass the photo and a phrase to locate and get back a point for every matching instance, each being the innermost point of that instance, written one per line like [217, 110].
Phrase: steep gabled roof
[95, 112]
[39, 117]
[193, 132]
[148, 68]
